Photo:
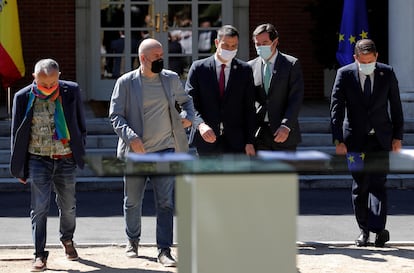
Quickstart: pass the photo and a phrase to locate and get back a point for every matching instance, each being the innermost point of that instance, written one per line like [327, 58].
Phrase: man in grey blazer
[143, 114]
[278, 93]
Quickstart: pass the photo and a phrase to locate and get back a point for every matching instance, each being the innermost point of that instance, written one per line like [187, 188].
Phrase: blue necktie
[266, 76]
[367, 88]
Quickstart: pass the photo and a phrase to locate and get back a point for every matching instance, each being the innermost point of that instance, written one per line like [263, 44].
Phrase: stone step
[108, 141]
[102, 126]
[92, 183]
[5, 153]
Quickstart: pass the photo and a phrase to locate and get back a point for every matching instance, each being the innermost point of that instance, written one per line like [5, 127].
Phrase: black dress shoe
[362, 240]
[381, 238]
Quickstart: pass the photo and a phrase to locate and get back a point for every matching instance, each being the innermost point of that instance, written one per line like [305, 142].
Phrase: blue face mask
[367, 69]
[264, 51]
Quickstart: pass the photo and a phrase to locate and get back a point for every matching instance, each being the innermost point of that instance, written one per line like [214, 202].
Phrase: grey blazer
[126, 109]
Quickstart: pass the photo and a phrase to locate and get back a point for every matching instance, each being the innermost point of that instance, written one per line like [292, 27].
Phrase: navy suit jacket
[285, 97]
[350, 115]
[21, 126]
[235, 110]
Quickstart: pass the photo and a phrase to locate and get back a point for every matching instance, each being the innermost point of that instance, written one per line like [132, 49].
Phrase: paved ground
[310, 259]
[326, 230]
[105, 259]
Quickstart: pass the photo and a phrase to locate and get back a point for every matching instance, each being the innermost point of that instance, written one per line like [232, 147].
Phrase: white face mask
[366, 69]
[227, 55]
[264, 51]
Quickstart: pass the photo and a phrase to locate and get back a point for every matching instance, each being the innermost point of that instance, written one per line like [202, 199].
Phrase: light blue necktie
[267, 76]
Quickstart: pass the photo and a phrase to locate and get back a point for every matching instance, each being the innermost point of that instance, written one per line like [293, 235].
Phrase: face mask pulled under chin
[157, 66]
[227, 55]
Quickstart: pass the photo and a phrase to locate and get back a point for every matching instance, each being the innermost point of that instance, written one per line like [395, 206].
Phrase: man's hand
[137, 146]
[341, 149]
[281, 134]
[396, 145]
[207, 133]
[186, 122]
[22, 180]
[250, 150]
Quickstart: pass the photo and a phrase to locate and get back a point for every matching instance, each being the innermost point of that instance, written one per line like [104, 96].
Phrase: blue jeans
[47, 174]
[134, 188]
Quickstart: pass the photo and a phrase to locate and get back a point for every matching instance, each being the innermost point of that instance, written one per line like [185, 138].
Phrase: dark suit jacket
[285, 95]
[21, 126]
[350, 116]
[236, 109]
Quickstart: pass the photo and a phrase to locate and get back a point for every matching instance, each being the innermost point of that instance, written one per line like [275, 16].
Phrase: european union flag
[355, 161]
[354, 26]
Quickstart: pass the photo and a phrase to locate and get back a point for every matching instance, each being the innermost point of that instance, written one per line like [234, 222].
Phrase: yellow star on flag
[352, 39]
[341, 37]
[362, 156]
[364, 34]
[351, 159]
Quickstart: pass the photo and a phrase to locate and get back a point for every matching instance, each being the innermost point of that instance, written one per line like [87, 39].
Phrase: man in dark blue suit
[367, 120]
[223, 94]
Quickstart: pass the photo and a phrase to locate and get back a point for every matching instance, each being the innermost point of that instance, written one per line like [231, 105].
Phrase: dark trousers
[221, 146]
[265, 141]
[369, 196]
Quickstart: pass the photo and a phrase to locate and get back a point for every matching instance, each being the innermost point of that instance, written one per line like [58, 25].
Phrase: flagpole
[9, 102]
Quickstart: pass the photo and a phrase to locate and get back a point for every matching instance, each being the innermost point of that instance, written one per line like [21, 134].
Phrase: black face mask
[157, 66]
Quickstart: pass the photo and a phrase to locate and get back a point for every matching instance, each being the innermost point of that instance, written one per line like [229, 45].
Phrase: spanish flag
[11, 55]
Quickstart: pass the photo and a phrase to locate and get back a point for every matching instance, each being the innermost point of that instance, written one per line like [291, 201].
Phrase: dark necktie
[266, 77]
[367, 88]
[222, 80]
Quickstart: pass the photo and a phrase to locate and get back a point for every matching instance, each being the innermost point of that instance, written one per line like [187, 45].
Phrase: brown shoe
[39, 264]
[70, 250]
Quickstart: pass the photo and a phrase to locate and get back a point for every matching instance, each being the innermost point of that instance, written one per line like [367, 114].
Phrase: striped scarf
[61, 129]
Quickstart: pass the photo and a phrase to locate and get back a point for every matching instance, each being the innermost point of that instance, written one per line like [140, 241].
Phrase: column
[401, 48]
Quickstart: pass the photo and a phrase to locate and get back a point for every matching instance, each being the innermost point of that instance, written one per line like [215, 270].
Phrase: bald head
[150, 55]
[147, 45]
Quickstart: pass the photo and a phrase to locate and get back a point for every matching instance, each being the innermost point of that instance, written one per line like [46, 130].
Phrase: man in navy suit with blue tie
[367, 119]
[223, 94]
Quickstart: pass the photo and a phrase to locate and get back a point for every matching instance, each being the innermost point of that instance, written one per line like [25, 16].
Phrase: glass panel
[209, 21]
[112, 13]
[140, 15]
[112, 22]
[211, 13]
[115, 30]
[180, 37]
[179, 23]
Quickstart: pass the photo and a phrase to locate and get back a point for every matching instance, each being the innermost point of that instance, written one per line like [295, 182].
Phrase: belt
[61, 156]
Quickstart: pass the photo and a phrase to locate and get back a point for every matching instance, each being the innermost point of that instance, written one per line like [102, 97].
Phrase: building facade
[95, 41]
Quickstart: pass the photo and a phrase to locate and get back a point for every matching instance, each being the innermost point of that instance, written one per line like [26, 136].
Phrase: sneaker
[166, 259]
[39, 264]
[70, 250]
[131, 250]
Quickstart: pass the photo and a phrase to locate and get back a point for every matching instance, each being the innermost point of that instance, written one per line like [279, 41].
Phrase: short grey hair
[46, 66]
